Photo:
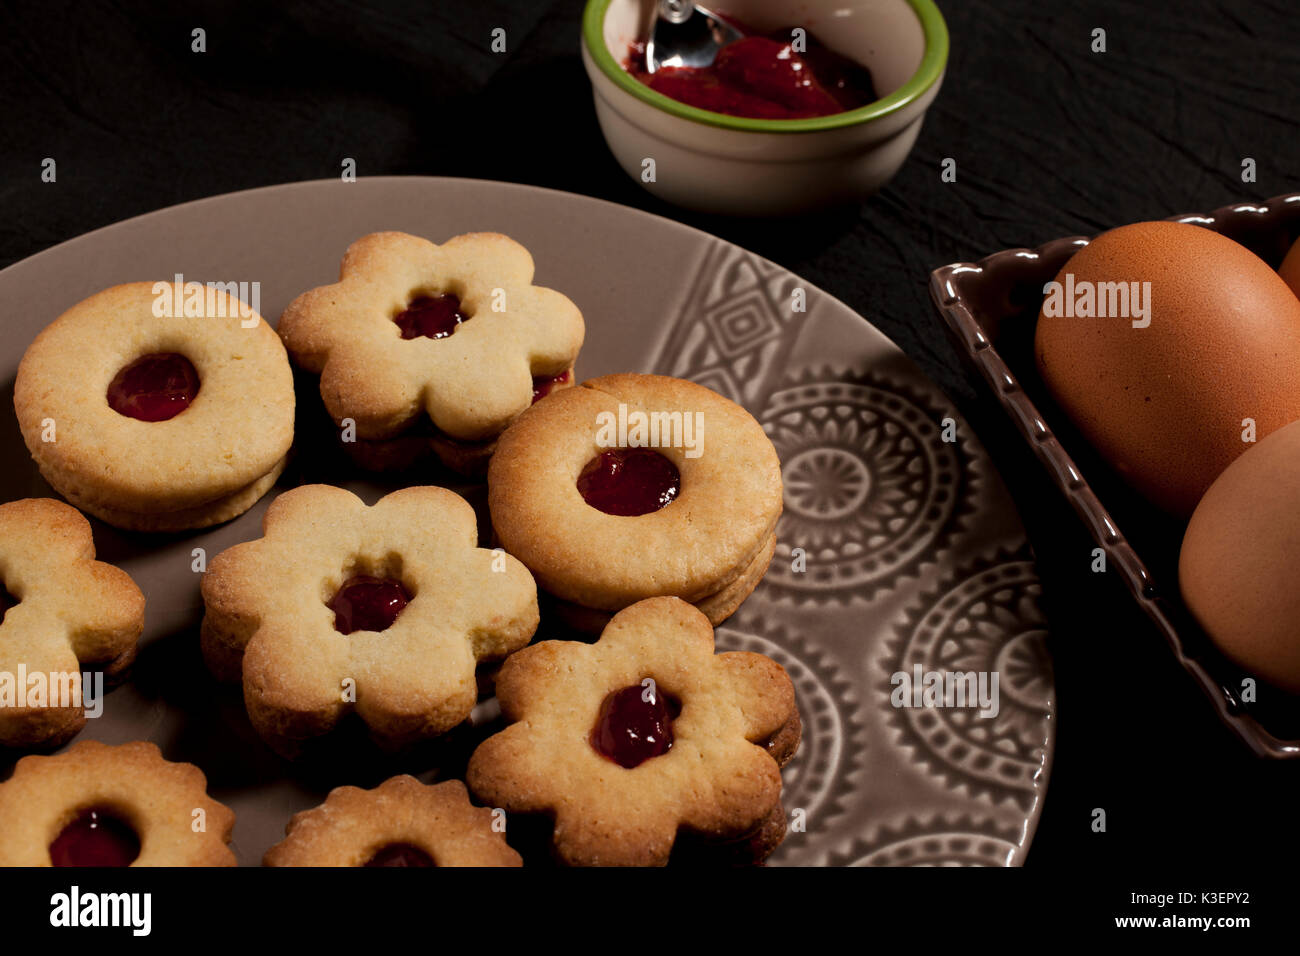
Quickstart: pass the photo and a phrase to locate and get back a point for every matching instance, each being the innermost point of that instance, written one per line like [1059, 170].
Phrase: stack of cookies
[643, 507]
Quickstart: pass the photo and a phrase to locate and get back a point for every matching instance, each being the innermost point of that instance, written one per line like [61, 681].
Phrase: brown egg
[1237, 569]
[1290, 270]
[1189, 335]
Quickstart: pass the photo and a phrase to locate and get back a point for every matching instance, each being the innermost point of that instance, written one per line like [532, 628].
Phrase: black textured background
[1050, 140]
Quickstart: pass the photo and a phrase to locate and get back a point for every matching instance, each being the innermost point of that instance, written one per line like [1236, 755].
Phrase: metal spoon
[686, 35]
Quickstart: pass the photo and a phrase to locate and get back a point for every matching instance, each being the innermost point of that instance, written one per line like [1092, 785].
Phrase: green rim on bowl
[932, 64]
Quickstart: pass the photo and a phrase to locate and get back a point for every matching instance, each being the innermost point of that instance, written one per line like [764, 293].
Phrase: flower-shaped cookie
[402, 822]
[105, 806]
[61, 611]
[455, 330]
[383, 611]
[641, 736]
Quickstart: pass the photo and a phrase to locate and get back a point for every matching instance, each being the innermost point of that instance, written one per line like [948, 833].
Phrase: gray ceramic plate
[914, 552]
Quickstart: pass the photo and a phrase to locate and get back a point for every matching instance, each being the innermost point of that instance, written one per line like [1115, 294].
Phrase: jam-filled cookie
[383, 611]
[636, 486]
[153, 420]
[99, 805]
[432, 348]
[61, 613]
[642, 737]
[402, 822]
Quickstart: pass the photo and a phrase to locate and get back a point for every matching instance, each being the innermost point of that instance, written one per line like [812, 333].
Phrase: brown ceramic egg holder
[990, 309]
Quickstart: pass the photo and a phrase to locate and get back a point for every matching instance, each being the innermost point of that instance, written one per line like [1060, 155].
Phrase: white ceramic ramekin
[739, 166]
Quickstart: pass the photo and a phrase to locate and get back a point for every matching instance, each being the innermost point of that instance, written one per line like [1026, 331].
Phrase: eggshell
[1166, 404]
[1290, 269]
[1237, 568]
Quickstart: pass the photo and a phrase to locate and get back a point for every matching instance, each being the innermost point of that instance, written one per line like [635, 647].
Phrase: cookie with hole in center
[633, 486]
[111, 806]
[62, 614]
[380, 611]
[400, 823]
[427, 349]
[153, 415]
[643, 742]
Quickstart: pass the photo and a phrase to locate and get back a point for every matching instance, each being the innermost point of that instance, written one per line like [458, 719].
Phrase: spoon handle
[675, 11]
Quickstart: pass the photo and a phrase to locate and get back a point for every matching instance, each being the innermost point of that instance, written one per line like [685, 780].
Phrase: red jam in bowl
[629, 481]
[366, 603]
[154, 387]
[430, 316]
[763, 76]
[95, 838]
[635, 724]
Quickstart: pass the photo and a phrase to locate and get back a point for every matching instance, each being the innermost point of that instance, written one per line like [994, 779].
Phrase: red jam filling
[430, 316]
[154, 387]
[400, 854]
[95, 838]
[7, 601]
[366, 603]
[629, 481]
[635, 724]
[764, 77]
[545, 384]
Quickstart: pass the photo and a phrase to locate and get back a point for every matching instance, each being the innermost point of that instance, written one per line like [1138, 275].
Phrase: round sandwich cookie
[68, 623]
[158, 406]
[633, 486]
[427, 349]
[382, 611]
[645, 745]
[109, 806]
[400, 823]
